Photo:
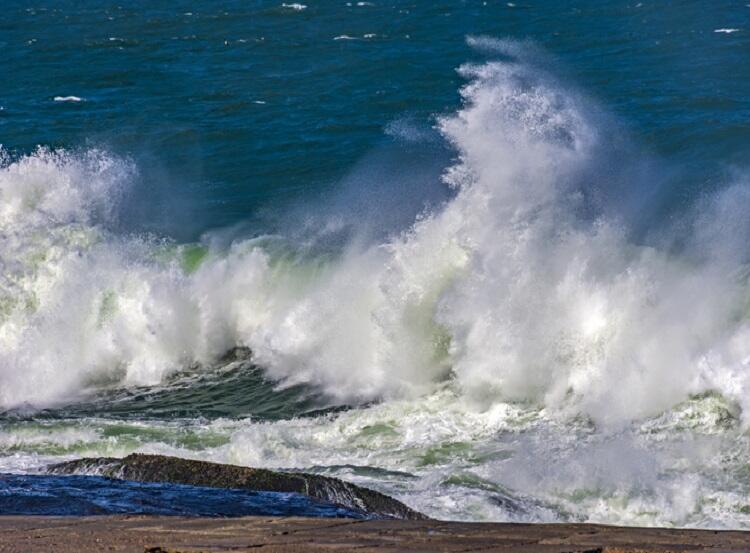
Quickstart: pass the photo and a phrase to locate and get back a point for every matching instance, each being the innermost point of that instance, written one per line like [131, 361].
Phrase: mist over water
[524, 329]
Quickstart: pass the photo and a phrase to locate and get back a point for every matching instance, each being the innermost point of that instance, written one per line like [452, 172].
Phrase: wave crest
[523, 287]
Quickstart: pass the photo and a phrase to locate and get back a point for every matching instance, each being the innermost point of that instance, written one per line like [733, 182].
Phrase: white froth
[451, 459]
[505, 290]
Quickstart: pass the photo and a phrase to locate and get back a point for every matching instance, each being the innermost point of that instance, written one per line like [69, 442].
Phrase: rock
[24, 534]
[159, 468]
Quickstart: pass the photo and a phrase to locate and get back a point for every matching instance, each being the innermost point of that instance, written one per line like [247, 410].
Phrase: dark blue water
[180, 89]
[94, 495]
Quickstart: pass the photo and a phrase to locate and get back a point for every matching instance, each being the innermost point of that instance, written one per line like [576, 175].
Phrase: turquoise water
[487, 257]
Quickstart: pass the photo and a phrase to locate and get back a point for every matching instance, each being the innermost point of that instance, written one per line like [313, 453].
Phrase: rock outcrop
[159, 468]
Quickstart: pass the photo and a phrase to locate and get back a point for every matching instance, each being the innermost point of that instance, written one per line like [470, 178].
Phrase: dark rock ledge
[159, 468]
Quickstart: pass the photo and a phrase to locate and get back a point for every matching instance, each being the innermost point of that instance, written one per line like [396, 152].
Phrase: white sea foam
[507, 291]
[294, 6]
[451, 458]
[67, 99]
[726, 31]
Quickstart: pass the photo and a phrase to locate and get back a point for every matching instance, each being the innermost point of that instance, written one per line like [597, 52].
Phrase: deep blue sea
[94, 495]
[490, 258]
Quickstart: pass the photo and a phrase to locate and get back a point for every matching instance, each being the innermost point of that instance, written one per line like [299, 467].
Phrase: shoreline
[158, 534]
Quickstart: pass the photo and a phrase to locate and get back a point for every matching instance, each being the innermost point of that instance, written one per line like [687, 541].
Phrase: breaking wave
[534, 283]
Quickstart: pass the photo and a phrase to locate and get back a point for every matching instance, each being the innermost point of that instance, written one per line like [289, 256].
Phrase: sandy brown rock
[291, 535]
[160, 468]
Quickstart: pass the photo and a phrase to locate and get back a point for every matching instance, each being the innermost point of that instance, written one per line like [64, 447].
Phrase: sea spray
[521, 352]
[519, 288]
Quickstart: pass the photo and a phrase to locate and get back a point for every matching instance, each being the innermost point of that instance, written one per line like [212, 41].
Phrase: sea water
[488, 258]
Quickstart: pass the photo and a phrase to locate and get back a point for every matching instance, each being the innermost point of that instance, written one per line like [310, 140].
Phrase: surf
[523, 286]
[535, 312]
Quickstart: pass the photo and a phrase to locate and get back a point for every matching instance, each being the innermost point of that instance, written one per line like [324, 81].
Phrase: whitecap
[67, 99]
[504, 287]
[726, 31]
[295, 6]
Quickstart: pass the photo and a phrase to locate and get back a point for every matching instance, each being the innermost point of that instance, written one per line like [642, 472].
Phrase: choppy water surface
[489, 258]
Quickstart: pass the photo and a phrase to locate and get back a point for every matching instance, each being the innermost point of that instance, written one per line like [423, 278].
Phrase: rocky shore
[295, 535]
[159, 468]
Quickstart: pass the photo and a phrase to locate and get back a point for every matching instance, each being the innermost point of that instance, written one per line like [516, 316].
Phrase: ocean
[489, 258]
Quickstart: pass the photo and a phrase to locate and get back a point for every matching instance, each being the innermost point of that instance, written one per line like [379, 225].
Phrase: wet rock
[159, 468]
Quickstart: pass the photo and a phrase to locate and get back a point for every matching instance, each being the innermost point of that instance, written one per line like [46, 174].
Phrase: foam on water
[518, 289]
[523, 323]
[452, 459]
